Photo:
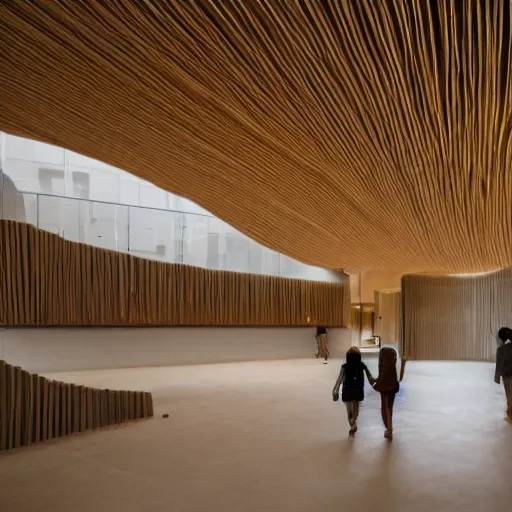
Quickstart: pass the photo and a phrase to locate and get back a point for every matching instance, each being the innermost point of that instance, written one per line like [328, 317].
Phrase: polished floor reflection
[267, 436]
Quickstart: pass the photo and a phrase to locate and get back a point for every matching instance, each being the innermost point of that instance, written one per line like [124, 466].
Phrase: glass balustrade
[153, 233]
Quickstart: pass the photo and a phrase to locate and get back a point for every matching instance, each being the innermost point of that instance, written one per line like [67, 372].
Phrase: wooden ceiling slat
[370, 134]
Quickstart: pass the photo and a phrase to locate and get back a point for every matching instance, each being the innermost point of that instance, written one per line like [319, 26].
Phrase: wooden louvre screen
[455, 317]
[49, 281]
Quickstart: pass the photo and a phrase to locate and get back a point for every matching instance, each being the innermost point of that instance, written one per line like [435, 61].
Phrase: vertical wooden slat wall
[455, 318]
[34, 409]
[46, 280]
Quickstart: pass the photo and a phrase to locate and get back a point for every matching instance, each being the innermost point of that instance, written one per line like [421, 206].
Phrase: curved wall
[455, 317]
[35, 409]
[48, 281]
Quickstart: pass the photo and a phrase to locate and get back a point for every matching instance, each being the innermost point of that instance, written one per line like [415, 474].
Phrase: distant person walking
[351, 380]
[323, 344]
[387, 385]
[504, 366]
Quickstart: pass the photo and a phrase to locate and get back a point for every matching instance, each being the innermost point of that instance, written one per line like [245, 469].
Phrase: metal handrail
[40, 194]
[183, 226]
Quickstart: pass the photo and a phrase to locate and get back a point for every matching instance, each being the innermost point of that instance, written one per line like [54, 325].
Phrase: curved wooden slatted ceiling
[351, 134]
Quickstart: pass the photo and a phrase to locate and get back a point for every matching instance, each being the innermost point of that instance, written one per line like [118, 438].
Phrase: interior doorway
[388, 314]
[363, 325]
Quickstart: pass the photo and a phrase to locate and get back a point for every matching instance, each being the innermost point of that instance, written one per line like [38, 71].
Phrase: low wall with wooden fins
[34, 409]
[48, 281]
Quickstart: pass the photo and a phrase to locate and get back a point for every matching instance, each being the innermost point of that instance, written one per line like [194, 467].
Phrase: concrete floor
[267, 437]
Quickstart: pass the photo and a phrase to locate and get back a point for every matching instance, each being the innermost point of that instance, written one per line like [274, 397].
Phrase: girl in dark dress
[351, 380]
[387, 385]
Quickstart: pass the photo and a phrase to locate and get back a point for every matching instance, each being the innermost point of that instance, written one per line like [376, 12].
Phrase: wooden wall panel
[455, 318]
[46, 280]
[34, 409]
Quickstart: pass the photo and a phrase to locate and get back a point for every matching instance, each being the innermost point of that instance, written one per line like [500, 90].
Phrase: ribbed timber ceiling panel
[350, 134]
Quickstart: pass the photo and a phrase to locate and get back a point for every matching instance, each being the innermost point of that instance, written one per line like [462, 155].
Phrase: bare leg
[352, 412]
[387, 402]
[507, 384]
[323, 348]
[391, 402]
[356, 411]
[383, 409]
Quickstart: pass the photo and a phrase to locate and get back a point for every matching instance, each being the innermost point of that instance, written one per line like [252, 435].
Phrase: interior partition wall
[455, 317]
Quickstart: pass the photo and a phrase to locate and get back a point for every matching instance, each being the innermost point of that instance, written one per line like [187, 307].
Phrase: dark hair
[387, 357]
[505, 334]
[353, 355]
